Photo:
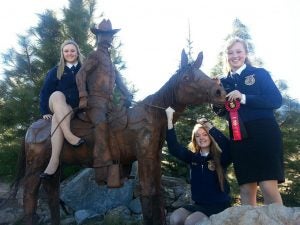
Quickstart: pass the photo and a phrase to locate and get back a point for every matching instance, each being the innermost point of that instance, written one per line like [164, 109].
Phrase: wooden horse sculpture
[142, 139]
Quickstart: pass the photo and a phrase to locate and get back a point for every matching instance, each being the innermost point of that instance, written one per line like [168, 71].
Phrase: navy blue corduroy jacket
[205, 187]
[67, 85]
[262, 95]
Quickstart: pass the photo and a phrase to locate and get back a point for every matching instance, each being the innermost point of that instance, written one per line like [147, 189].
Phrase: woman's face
[70, 53]
[202, 138]
[236, 56]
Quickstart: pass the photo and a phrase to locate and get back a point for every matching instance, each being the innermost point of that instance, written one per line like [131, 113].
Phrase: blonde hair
[215, 152]
[61, 64]
[229, 44]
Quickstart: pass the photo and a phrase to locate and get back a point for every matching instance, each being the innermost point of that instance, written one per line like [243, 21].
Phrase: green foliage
[290, 128]
[69, 170]
[114, 219]
[7, 169]
[83, 12]
[47, 38]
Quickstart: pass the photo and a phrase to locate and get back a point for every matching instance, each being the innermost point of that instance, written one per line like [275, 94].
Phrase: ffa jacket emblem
[250, 80]
[211, 165]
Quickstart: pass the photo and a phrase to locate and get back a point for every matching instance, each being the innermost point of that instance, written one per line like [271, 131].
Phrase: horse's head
[194, 86]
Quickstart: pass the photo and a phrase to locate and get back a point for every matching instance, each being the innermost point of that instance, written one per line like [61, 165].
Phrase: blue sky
[154, 32]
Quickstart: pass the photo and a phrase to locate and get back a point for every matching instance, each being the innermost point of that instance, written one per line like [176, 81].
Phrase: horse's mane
[166, 96]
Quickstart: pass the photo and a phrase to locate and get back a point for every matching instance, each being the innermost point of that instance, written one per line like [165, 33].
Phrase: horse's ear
[198, 61]
[184, 59]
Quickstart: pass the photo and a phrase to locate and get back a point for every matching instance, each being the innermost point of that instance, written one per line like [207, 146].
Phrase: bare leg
[248, 194]
[57, 140]
[60, 108]
[194, 218]
[60, 129]
[179, 216]
[270, 192]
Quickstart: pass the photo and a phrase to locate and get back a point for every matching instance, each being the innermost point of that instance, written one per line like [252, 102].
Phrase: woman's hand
[205, 123]
[47, 116]
[169, 112]
[234, 95]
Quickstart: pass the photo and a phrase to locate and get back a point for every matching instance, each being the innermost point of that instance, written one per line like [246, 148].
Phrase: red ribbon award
[233, 107]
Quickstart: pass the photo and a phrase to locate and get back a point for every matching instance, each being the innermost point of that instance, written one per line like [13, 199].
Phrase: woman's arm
[48, 88]
[269, 97]
[174, 147]
[224, 144]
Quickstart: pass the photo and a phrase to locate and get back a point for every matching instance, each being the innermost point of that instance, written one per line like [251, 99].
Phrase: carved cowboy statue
[97, 81]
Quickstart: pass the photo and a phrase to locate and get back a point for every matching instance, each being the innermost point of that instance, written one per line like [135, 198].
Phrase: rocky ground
[176, 193]
[9, 208]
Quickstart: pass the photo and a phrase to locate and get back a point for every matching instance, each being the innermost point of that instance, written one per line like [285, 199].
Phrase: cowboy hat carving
[104, 27]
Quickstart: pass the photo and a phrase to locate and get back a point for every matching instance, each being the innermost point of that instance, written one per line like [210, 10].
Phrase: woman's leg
[57, 140]
[270, 192]
[178, 216]
[60, 108]
[195, 218]
[248, 194]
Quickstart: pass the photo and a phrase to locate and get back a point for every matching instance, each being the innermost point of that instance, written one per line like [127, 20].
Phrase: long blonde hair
[61, 64]
[215, 152]
[229, 44]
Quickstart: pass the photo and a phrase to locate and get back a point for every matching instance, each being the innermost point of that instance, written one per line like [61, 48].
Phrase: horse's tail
[20, 169]
[14, 187]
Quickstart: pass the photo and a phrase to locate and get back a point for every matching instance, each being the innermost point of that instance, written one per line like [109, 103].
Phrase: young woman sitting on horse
[58, 96]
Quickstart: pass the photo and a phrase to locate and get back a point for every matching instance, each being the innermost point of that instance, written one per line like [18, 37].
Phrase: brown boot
[100, 165]
[101, 175]
[113, 178]
[102, 157]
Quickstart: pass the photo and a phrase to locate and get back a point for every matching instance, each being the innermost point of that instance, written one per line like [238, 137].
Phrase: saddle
[38, 132]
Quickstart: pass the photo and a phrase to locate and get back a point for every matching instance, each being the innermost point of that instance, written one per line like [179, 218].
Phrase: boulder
[273, 214]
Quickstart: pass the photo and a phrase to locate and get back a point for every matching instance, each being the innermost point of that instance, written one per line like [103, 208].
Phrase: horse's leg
[153, 214]
[36, 159]
[52, 189]
[151, 197]
[30, 195]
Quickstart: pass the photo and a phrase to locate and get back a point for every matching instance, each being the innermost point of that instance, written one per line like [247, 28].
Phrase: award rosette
[233, 107]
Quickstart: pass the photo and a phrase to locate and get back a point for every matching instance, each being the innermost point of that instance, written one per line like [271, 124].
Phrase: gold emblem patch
[211, 165]
[250, 80]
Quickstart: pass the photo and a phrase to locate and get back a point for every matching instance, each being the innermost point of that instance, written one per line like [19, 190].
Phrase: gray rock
[83, 216]
[120, 211]
[135, 206]
[273, 214]
[82, 192]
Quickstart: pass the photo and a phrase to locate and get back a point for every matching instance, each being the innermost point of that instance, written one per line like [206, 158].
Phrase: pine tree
[79, 29]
